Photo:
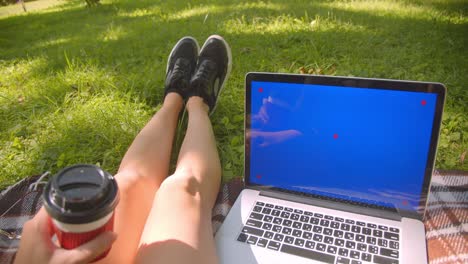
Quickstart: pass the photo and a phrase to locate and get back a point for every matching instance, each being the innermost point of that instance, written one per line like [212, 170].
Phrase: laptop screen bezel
[385, 84]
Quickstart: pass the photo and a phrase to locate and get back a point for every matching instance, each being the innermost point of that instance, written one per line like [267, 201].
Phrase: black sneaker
[180, 66]
[213, 68]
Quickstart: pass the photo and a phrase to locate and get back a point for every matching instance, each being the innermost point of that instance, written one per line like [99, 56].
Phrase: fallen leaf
[462, 157]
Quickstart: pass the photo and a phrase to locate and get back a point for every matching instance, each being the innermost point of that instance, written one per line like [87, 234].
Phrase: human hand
[265, 139]
[36, 245]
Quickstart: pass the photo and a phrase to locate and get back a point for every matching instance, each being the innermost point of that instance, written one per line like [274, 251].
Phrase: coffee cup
[80, 201]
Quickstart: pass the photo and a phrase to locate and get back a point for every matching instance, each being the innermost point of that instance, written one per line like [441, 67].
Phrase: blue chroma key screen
[359, 144]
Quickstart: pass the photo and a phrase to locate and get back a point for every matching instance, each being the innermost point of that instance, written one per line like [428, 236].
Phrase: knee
[180, 188]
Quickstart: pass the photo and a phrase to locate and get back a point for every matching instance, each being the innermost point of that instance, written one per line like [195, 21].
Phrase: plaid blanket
[446, 218]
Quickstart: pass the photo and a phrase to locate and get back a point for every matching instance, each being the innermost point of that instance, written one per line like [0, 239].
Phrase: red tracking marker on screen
[423, 102]
[260, 90]
[259, 176]
[404, 202]
[335, 136]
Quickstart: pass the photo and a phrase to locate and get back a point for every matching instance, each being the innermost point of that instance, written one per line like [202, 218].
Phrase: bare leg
[178, 229]
[141, 172]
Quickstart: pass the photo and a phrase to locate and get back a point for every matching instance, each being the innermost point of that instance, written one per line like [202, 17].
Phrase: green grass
[77, 83]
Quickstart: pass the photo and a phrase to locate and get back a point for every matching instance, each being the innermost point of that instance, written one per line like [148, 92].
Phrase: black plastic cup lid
[81, 194]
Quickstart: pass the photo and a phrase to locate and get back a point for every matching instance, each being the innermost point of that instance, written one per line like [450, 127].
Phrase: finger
[92, 249]
[42, 220]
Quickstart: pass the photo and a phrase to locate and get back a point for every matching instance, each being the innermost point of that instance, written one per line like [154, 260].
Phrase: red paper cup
[80, 201]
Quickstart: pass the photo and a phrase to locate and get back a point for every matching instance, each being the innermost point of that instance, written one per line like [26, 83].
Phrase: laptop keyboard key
[361, 247]
[287, 230]
[288, 209]
[359, 223]
[254, 223]
[266, 226]
[366, 231]
[275, 213]
[297, 211]
[318, 238]
[266, 210]
[304, 219]
[267, 218]
[384, 228]
[252, 240]
[394, 244]
[317, 229]
[373, 249]
[308, 253]
[366, 257]
[294, 217]
[339, 242]
[338, 233]
[278, 237]
[320, 247]
[350, 244]
[269, 205]
[279, 207]
[332, 249]
[297, 233]
[285, 215]
[345, 227]
[306, 227]
[242, 237]
[297, 225]
[274, 245]
[389, 252]
[382, 260]
[354, 254]
[262, 242]
[335, 225]
[355, 261]
[392, 236]
[349, 221]
[307, 235]
[360, 238]
[310, 244]
[371, 225]
[277, 220]
[256, 216]
[394, 230]
[287, 223]
[349, 236]
[268, 235]
[252, 231]
[382, 242]
[277, 228]
[377, 233]
[329, 217]
[343, 252]
[328, 240]
[328, 231]
[371, 240]
[260, 203]
[324, 223]
[341, 260]
[318, 215]
[308, 213]
[314, 220]
[289, 239]
[356, 229]
[257, 209]
[299, 242]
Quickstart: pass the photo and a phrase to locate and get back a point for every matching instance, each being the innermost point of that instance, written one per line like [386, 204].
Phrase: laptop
[337, 170]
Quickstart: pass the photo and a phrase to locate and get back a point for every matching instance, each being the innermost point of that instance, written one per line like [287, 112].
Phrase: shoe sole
[177, 45]
[228, 71]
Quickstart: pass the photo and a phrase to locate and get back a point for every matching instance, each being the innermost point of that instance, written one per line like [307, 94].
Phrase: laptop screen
[362, 145]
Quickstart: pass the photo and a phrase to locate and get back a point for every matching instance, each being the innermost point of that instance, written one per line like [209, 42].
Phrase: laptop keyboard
[320, 237]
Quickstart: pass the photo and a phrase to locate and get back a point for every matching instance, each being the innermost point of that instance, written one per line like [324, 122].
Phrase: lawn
[77, 83]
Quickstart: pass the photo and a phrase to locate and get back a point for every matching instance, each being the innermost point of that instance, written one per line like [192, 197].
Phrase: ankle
[173, 100]
[195, 103]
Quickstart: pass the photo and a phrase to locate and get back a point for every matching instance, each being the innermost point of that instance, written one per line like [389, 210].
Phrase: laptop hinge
[334, 205]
